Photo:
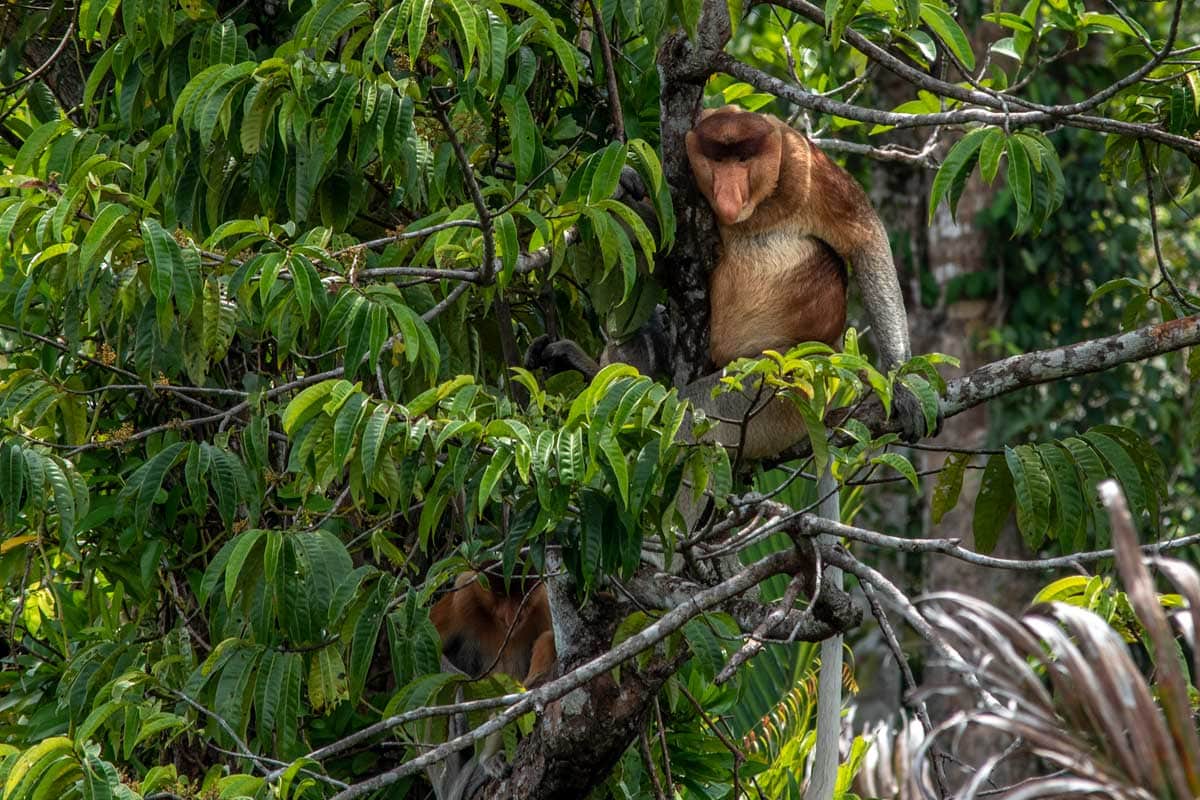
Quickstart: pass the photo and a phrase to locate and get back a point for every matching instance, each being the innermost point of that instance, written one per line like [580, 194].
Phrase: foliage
[265, 277]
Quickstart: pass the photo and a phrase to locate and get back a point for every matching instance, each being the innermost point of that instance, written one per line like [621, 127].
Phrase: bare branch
[772, 85]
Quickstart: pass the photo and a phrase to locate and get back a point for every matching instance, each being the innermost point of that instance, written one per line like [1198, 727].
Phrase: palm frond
[1062, 683]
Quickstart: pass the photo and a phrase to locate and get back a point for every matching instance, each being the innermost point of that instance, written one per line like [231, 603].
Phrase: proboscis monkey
[490, 629]
[789, 219]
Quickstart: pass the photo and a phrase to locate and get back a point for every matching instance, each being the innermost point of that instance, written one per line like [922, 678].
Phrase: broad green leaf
[946, 28]
[901, 465]
[145, 482]
[1071, 524]
[956, 166]
[1123, 469]
[990, 152]
[994, 503]
[1031, 485]
[112, 222]
[492, 474]
[949, 485]
[608, 172]
[305, 405]
[1020, 182]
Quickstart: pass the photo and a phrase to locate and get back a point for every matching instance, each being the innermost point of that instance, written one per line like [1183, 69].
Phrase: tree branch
[781, 562]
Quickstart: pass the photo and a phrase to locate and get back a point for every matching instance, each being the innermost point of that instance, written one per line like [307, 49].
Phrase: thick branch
[1042, 366]
[1030, 369]
[683, 68]
[726, 63]
[787, 561]
[837, 609]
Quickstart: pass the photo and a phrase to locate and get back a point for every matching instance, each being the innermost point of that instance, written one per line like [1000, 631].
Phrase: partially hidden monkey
[789, 219]
[486, 630]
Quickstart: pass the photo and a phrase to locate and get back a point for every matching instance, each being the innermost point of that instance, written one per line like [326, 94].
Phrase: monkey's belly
[765, 295]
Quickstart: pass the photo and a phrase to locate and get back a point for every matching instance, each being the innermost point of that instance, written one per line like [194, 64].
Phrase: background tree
[266, 279]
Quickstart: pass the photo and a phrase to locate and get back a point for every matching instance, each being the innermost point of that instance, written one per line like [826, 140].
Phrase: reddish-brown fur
[781, 277]
[789, 220]
[474, 623]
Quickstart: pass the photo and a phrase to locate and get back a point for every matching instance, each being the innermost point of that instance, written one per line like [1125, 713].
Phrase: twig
[1158, 255]
[648, 764]
[44, 66]
[910, 681]
[662, 743]
[610, 74]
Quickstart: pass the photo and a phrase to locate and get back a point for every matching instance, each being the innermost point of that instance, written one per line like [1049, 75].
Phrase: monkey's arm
[648, 351]
[844, 217]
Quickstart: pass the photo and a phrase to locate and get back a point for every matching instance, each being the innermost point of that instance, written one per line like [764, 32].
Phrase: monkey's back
[772, 290]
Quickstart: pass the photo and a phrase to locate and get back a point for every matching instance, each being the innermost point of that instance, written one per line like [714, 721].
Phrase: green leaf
[591, 512]
[1090, 464]
[705, 646]
[1123, 469]
[1071, 523]
[243, 546]
[572, 456]
[1020, 181]
[165, 260]
[496, 466]
[418, 26]
[990, 152]
[306, 405]
[367, 624]
[509, 247]
[1149, 464]
[618, 463]
[946, 28]
[57, 472]
[838, 16]
[1031, 485]
[13, 473]
[901, 465]
[608, 172]
[327, 679]
[373, 437]
[993, 504]
[113, 221]
[926, 395]
[522, 134]
[145, 482]
[949, 485]
[36, 144]
[957, 165]
[345, 426]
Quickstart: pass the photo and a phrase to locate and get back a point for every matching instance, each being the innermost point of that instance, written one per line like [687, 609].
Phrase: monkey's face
[735, 158]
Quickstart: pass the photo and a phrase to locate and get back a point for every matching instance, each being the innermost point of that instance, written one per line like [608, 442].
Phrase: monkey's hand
[906, 408]
[555, 356]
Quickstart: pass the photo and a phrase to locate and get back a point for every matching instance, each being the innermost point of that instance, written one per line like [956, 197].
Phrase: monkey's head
[735, 157]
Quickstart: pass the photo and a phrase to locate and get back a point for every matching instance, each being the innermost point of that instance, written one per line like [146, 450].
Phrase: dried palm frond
[1062, 683]
[886, 770]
